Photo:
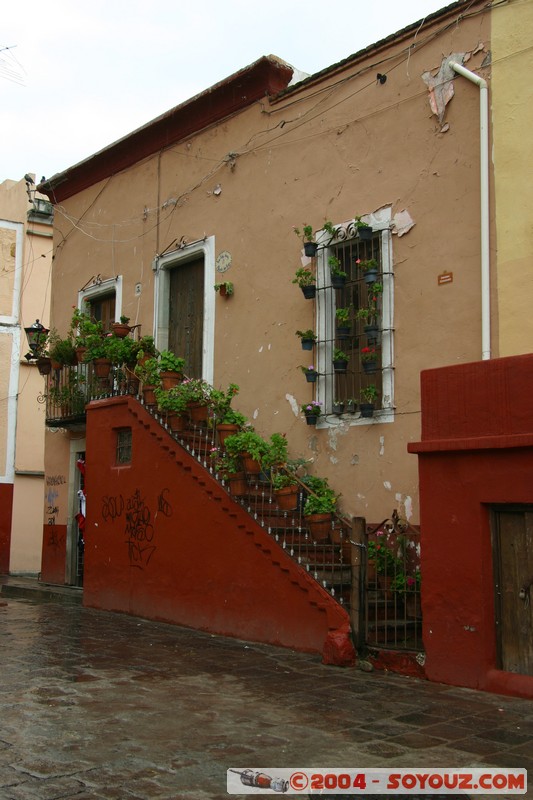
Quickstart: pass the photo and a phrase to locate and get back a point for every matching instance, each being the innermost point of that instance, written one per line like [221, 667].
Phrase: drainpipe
[484, 192]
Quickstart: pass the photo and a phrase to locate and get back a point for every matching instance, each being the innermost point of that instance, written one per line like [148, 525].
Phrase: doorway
[186, 314]
[513, 572]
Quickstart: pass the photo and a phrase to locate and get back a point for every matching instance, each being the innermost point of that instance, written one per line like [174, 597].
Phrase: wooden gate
[512, 538]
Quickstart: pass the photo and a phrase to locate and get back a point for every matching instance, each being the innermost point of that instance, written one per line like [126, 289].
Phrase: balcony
[69, 389]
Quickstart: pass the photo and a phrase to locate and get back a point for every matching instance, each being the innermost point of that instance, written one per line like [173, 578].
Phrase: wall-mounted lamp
[36, 335]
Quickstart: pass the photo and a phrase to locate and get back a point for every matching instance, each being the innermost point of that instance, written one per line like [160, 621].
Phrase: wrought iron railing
[391, 580]
[70, 388]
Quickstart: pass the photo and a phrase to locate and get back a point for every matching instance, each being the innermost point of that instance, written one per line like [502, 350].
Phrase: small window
[124, 446]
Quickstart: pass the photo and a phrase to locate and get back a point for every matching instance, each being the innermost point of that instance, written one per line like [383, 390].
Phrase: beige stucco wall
[512, 116]
[22, 436]
[348, 146]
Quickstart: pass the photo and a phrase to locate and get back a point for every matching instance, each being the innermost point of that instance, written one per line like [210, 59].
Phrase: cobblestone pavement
[101, 705]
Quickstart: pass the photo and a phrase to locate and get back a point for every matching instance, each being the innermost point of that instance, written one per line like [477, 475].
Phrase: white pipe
[484, 192]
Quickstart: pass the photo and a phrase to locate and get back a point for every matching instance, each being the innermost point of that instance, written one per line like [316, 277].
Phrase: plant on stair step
[171, 400]
[224, 464]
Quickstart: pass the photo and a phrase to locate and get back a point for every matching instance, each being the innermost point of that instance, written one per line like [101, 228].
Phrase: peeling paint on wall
[405, 505]
[354, 459]
[382, 445]
[293, 404]
[441, 88]
[387, 485]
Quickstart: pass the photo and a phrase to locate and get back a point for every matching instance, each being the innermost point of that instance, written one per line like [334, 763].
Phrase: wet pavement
[101, 705]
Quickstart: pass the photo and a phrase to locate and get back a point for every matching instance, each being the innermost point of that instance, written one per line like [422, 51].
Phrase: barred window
[123, 450]
[354, 309]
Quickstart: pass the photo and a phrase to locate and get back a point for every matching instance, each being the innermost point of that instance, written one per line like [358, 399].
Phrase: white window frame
[325, 323]
[103, 287]
[162, 266]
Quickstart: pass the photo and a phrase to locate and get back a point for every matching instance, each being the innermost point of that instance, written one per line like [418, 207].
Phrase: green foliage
[306, 233]
[223, 463]
[358, 222]
[322, 499]
[221, 404]
[329, 228]
[197, 391]
[61, 350]
[120, 351]
[147, 370]
[227, 286]
[169, 362]
[379, 551]
[171, 399]
[369, 394]
[343, 315]
[335, 267]
[304, 277]
[247, 441]
[369, 264]
[339, 355]
[308, 334]
[282, 480]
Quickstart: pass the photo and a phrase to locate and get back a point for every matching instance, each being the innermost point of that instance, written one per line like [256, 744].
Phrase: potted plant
[198, 393]
[250, 446]
[310, 373]
[363, 229]
[229, 469]
[61, 351]
[120, 351]
[311, 411]
[319, 507]
[340, 360]
[329, 228]
[368, 398]
[226, 289]
[342, 316]
[68, 397]
[306, 234]
[173, 402]
[306, 280]
[369, 317]
[308, 338]
[350, 405]
[369, 359]
[338, 276]
[170, 368]
[121, 328]
[337, 407]
[227, 420]
[369, 268]
[286, 489]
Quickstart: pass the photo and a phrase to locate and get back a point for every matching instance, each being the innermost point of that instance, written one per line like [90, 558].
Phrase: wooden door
[102, 309]
[186, 318]
[513, 559]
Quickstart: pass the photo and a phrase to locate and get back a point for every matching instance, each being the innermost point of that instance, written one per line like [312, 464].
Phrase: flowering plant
[312, 409]
[378, 551]
[304, 277]
[369, 394]
[224, 463]
[308, 370]
[367, 265]
[368, 354]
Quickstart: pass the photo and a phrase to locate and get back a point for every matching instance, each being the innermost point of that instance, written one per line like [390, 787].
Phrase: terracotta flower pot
[287, 498]
[176, 422]
[251, 466]
[120, 329]
[237, 484]
[319, 526]
[224, 430]
[170, 379]
[102, 367]
[197, 412]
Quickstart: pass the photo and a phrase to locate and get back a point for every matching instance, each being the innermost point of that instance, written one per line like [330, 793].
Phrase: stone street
[101, 705]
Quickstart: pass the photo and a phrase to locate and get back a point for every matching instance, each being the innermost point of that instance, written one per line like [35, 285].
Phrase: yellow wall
[512, 115]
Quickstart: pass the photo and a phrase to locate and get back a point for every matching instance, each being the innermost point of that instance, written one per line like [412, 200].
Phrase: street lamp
[36, 335]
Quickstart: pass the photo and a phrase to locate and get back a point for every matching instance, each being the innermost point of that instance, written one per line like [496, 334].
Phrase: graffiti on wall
[139, 522]
[52, 495]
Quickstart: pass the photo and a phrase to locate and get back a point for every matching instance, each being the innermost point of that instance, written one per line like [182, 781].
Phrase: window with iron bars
[366, 336]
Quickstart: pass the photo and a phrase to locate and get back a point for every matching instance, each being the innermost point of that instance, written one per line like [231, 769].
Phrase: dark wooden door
[513, 554]
[103, 310]
[186, 320]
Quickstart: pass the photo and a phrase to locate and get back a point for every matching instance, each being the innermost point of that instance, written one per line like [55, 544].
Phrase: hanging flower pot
[310, 249]
[340, 361]
[338, 281]
[44, 365]
[372, 333]
[371, 276]
[369, 367]
[309, 292]
[364, 233]
[310, 374]
[120, 329]
[311, 411]
[307, 344]
[311, 419]
[344, 331]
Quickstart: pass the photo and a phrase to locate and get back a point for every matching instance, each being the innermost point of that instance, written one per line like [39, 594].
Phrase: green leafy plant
[277, 451]
[335, 267]
[225, 288]
[223, 463]
[379, 551]
[197, 391]
[308, 370]
[343, 315]
[220, 402]
[404, 583]
[367, 265]
[124, 320]
[120, 351]
[308, 334]
[306, 233]
[147, 370]
[173, 400]
[282, 480]
[369, 394]
[339, 355]
[247, 441]
[60, 350]
[358, 222]
[169, 362]
[321, 499]
[304, 277]
[329, 228]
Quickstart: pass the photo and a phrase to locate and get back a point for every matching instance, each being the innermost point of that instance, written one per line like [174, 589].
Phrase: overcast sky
[80, 75]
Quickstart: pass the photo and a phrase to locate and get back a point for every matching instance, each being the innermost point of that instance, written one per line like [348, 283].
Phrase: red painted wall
[54, 554]
[6, 512]
[476, 452]
[164, 541]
